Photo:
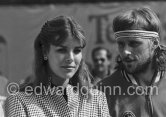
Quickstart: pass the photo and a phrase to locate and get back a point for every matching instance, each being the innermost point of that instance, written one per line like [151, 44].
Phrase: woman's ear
[44, 52]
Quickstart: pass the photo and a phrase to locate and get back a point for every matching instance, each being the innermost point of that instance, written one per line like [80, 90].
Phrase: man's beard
[140, 68]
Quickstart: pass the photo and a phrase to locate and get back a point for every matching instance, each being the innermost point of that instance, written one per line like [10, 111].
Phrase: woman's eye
[61, 50]
[77, 50]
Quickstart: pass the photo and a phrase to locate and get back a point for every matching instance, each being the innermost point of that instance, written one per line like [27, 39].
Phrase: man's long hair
[141, 19]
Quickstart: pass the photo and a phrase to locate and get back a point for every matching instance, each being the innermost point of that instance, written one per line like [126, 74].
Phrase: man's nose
[99, 62]
[127, 51]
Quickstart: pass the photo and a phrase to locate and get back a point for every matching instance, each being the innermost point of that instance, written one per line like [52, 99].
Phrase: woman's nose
[69, 57]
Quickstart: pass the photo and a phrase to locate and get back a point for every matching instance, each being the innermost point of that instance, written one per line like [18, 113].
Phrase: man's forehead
[101, 52]
[136, 39]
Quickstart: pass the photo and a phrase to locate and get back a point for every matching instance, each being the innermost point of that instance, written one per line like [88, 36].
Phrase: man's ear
[155, 43]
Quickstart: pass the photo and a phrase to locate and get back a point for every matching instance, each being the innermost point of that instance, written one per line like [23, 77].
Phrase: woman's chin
[68, 76]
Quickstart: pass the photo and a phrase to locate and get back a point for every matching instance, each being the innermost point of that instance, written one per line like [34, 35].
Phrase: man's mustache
[128, 59]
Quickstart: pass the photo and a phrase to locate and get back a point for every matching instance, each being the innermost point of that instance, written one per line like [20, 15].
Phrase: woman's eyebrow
[62, 46]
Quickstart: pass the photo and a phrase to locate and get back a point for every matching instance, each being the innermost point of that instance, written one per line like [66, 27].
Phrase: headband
[136, 33]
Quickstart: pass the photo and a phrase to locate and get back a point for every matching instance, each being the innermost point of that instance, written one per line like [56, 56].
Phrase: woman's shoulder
[98, 97]
[20, 97]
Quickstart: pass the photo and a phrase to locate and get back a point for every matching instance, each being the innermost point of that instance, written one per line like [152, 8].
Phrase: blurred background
[21, 21]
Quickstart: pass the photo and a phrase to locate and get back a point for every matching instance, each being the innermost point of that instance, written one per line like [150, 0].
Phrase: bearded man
[138, 87]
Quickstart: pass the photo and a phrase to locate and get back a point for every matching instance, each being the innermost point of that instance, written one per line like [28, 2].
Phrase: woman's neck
[57, 80]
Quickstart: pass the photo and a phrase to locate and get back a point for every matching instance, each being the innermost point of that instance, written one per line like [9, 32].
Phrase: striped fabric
[22, 105]
[136, 33]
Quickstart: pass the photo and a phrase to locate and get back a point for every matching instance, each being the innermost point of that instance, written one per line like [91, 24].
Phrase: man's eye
[121, 45]
[102, 60]
[134, 44]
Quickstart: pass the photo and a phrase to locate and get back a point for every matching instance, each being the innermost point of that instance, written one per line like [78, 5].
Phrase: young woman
[61, 72]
